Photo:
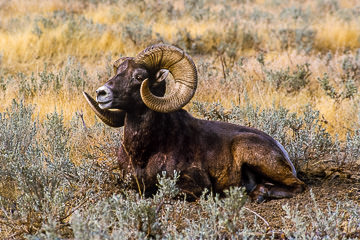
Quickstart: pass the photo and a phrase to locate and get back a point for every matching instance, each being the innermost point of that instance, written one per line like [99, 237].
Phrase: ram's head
[140, 82]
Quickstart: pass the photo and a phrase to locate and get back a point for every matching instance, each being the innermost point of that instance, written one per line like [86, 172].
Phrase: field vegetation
[290, 68]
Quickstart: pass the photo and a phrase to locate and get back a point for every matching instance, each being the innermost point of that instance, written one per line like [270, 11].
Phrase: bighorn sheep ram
[160, 136]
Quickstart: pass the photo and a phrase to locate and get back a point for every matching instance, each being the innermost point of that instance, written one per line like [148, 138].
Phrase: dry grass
[334, 34]
[92, 41]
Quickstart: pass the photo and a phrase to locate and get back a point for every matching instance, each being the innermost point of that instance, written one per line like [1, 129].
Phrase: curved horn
[111, 118]
[182, 68]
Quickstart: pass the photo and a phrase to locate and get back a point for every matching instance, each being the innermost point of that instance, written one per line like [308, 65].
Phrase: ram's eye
[138, 77]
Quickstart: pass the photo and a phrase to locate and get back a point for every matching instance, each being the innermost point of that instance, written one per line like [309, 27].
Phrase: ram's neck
[144, 133]
[150, 132]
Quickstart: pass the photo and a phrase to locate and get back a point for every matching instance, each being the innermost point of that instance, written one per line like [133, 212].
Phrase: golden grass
[26, 47]
[333, 34]
[63, 103]
[106, 14]
[15, 8]
[347, 3]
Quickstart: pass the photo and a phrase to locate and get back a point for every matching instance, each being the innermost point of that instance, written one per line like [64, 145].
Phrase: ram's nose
[103, 94]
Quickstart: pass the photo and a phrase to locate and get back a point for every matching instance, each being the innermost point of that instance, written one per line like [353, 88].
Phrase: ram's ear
[161, 75]
[118, 62]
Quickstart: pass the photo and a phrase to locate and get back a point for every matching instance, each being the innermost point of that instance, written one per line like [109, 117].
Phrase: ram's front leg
[193, 182]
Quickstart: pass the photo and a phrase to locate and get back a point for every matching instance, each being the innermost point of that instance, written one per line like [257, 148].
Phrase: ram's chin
[106, 105]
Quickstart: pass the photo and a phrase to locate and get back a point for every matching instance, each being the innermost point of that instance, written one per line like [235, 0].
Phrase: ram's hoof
[259, 194]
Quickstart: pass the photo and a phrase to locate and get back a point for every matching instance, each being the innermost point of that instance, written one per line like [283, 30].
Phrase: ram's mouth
[105, 104]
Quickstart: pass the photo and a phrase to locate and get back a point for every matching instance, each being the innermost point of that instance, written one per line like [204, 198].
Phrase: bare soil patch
[328, 187]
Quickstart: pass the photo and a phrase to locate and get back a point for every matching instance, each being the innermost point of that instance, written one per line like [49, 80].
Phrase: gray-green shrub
[40, 185]
[43, 194]
[338, 222]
